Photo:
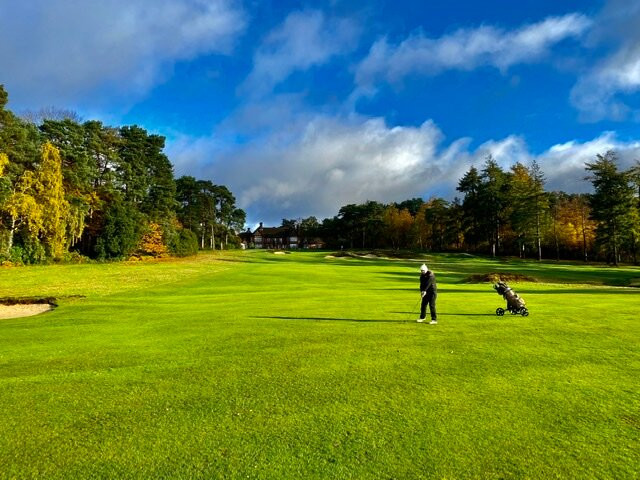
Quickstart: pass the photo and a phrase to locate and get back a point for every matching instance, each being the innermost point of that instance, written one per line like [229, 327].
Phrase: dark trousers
[431, 301]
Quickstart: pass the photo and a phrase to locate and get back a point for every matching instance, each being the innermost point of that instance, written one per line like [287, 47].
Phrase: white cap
[423, 268]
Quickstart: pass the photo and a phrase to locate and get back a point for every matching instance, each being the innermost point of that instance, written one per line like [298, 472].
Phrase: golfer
[429, 292]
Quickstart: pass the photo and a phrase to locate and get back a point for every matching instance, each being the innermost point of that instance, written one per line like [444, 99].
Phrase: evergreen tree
[436, 216]
[470, 185]
[540, 202]
[634, 174]
[492, 202]
[19, 141]
[122, 229]
[611, 203]
[187, 197]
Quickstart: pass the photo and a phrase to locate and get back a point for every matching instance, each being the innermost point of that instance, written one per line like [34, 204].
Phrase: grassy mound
[494, 277]
[27, 301]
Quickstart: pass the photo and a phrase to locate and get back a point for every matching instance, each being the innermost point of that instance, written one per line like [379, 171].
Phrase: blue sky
[302, 107]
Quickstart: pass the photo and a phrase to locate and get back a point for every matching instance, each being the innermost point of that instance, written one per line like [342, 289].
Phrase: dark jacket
[428, 283]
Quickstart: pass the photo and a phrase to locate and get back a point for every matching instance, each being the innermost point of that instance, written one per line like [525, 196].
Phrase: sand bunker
[14, 307]
[25, 310]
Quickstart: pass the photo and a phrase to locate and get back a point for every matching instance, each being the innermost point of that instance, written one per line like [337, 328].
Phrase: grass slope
[254, 365]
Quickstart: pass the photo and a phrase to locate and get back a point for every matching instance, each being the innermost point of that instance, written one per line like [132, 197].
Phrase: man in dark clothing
[429, 292]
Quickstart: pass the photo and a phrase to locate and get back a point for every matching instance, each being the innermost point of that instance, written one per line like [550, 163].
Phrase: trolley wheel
[524, 312]
[500, 311]
[513, 312]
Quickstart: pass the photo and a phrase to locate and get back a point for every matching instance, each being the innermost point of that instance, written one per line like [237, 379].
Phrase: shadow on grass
[452, 314]
[440, 290]
[334, 319]
[582, 291]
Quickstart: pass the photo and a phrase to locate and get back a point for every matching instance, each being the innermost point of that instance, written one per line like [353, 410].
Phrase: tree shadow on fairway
[440, 290]
[413, 277]
[454, 314]
[582, 291]
[334, 319]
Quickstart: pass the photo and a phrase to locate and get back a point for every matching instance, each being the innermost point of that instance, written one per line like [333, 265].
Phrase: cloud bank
[334, 161]
[126, 47]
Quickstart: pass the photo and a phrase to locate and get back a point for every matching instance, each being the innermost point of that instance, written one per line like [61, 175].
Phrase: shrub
[185, 243]
[32, 252]
[75, 257]
[16, 255]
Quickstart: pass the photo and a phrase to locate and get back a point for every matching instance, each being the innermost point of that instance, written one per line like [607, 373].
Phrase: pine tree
[492, 202]
[470, 185]
[611, 203]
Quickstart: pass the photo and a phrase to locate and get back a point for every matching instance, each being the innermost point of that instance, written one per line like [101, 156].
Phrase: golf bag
[515, 303]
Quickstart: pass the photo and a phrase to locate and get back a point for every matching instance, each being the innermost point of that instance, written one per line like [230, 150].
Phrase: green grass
[254, 365]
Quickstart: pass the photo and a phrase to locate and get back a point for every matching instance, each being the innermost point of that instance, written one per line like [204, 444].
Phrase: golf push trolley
[515, 303]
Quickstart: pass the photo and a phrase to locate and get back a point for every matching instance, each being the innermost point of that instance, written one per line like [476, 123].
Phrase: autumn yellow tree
[51, 196]
[419, 230]
[397, 224]
[580, 228]
[20, 204]
[572, 229]
[152, 242]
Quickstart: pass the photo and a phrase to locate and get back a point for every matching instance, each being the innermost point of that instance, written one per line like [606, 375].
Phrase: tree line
[501, 213]
[85, 190]
[72, 189]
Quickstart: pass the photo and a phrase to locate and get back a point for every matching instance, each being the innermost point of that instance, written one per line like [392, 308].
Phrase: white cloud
[61, 52]
[597, 93]
[466, 49]
[304, 40]
[327, 162]
[604, 89]
[564, 164]
[333, 162]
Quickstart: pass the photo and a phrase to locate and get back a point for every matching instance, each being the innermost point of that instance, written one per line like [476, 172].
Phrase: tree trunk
[584, 234]
[555, 234]
[213, 239]
[538, 236]
[11, 235]
[615, 247]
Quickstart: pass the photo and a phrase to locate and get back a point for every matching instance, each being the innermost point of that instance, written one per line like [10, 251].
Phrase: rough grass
[253, 365]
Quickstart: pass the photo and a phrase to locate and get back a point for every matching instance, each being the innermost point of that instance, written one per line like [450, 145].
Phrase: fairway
[256, 365]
